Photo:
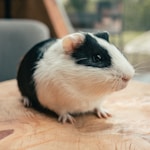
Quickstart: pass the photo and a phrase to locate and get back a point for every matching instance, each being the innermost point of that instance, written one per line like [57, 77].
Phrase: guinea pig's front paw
[66, 117]
[102, 113]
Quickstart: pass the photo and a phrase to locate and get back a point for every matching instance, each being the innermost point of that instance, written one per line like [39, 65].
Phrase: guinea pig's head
[101, 64]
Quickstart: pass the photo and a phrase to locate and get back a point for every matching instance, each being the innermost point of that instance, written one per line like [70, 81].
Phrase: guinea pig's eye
[96, 58]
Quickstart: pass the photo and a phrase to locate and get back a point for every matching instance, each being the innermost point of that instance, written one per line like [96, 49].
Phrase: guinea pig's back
[28, 66]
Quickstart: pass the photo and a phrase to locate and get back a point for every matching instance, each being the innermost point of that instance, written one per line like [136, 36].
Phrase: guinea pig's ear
[104, 35]
[72, 41]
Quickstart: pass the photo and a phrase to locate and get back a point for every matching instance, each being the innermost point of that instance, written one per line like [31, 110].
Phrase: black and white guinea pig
[73, 74]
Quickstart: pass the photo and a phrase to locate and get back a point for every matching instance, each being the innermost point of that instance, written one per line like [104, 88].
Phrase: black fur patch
[103, 35]
[27, 67]
[91, 53]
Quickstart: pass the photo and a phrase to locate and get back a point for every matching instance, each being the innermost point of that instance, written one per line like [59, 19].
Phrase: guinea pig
[73, 75]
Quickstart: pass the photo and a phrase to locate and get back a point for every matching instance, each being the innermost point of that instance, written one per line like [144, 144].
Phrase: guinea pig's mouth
[120, 83]
[125, 79]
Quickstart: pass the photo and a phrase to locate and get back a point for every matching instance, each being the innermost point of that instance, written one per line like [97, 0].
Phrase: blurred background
[128, 23]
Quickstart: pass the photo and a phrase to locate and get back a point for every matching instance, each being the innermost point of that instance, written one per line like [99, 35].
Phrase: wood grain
[128, 129]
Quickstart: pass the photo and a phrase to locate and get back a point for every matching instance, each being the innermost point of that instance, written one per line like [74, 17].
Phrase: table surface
[128, 128]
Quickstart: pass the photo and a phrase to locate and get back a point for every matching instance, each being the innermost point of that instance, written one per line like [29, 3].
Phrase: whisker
[81, 59]
[140, 63]
[142, 69]
[118, 84]
[145, 66]
[114, 84]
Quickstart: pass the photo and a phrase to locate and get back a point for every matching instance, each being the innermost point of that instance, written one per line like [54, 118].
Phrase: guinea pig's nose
[125, 78]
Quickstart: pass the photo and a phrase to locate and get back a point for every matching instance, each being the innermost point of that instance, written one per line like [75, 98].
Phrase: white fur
[65, 87]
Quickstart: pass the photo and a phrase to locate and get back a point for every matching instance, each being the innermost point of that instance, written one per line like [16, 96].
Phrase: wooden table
[26, 129]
